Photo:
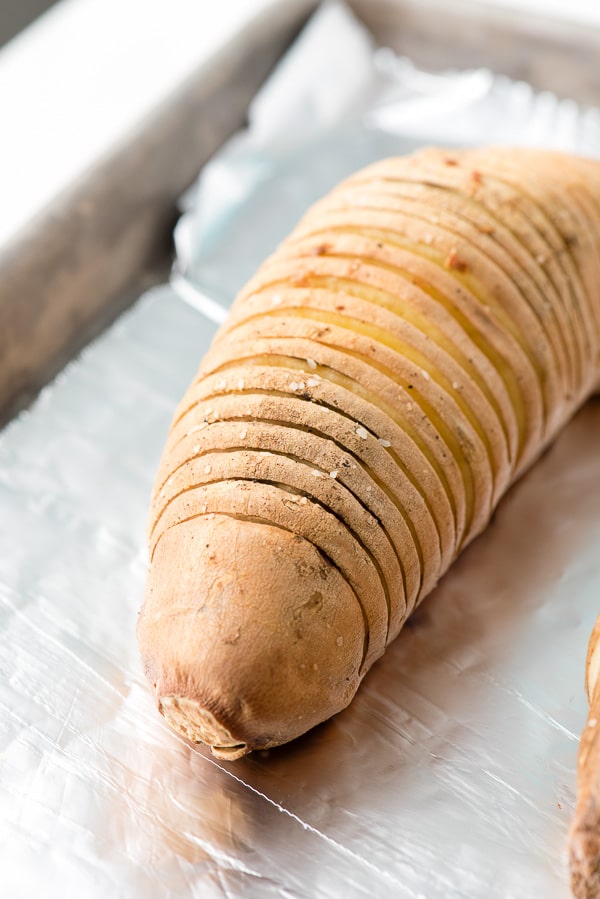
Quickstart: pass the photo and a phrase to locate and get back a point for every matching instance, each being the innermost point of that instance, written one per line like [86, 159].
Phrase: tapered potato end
[188, 717]
[584, 836]
[584, 853]
[249, 636]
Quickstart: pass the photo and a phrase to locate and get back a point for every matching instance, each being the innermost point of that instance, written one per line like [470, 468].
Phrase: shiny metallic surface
[128, 115]
[452, 773]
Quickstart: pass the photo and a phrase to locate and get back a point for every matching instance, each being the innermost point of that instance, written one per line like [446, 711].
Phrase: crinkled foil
[452, 773]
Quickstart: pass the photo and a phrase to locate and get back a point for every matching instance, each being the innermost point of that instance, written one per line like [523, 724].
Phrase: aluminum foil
[452, 774]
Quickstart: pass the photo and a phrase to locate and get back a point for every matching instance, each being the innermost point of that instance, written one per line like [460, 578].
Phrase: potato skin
[584, 833]
[252, 626]
[390, 370]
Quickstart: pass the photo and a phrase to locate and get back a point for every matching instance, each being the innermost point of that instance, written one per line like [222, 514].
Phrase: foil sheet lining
[452, 774]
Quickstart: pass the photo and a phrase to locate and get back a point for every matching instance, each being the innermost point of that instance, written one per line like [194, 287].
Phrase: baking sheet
[452, 773]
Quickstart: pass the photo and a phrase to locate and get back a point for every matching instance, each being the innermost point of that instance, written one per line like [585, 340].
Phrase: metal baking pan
[450, 776]
[78, 251]
[102, 129]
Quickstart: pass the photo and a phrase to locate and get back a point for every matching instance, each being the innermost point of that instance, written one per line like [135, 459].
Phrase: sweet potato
[584, 836]
[398, 362]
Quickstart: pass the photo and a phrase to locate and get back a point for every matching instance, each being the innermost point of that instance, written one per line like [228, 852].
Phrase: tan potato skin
[308, 646]
[584, 836]
[397, 363]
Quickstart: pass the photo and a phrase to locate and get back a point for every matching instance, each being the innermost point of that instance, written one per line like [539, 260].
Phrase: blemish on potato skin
[304, 569]
[313, 604]
[453, 261]
[231, 641]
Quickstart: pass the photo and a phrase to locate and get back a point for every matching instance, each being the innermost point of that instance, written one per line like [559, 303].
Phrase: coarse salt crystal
[333, 474]
[362, 432]
[384, 442]
[276, 299]
[169, 482]
[311, 363]
[592, 722]
[426, 374]
[195, 448]
[316, 473]
[303, 501]
[340, 641]
[241, 384]
[313, 382]
[244, 434]
[207, 469]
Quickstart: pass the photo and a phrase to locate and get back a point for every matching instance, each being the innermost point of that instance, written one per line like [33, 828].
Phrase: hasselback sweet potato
[403, 356]
[584, 836]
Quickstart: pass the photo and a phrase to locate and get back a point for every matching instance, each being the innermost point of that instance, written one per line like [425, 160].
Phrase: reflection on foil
[452, 773]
